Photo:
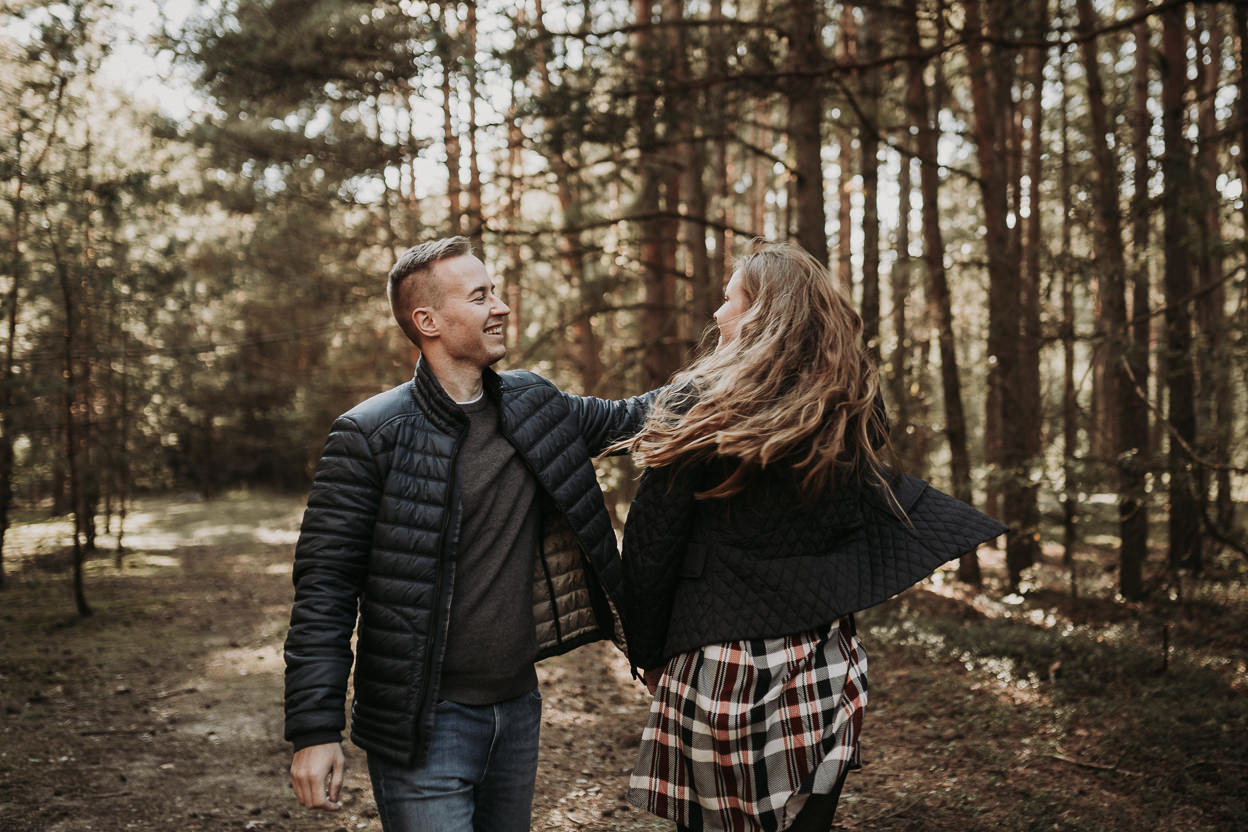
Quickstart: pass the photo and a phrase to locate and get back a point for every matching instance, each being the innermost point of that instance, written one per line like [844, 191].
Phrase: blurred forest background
[1038, 205]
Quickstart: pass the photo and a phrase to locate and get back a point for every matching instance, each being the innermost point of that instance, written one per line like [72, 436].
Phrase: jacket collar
[440, 407]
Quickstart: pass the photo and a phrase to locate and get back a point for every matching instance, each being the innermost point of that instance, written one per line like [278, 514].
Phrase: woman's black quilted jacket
[379, 538]
[769, 561]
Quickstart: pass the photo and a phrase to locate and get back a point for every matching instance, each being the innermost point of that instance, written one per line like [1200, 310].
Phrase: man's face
[470, 316]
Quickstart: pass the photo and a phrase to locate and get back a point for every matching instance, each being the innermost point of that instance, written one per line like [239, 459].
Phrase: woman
[767, 516]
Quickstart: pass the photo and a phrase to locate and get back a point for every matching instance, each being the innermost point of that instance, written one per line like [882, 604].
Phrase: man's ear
[425, 322]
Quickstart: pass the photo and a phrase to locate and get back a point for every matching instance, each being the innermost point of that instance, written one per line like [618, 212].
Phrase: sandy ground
[162, 712]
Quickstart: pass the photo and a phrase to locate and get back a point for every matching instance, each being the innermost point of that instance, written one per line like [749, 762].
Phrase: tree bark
[705, 281]
[868, 140]
[904, 431]
[923, 113]
[1030, 406]
[845, 138]
[1110, 264]
[805, 106]
[450, 138]
[1134, 498]
[1213, 355]
[1185, 504]
[476, 219]
[658, 321]
[991, 71]
[72, 406]
[513, 271]
[1070, 406]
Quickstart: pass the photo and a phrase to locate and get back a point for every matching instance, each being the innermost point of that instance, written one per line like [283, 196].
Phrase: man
[460, 516]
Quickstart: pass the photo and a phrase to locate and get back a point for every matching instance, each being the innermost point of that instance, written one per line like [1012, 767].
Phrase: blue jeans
[479, 774]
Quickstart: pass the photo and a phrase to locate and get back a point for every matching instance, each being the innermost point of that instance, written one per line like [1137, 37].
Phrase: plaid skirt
[741, 733]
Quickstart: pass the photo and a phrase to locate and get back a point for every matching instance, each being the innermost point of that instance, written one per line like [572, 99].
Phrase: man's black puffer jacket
[380, 533]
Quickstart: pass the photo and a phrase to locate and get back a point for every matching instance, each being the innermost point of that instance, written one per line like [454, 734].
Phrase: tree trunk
[868, 140]
[1214, 356]
[72, 439]
[845, 205]
[1185, 504]
[1135, 464]
[1070, 406]
[513, 270]
[123, 452]
[88, 464]
[923, 114]
[16, 272]
[673, 232]
[991, 71]
[1110, 265]
[705, 281]
[450, 138]
[1031, 406]
[903, 428]
[658, 321]
[805, 105]
[476, 219]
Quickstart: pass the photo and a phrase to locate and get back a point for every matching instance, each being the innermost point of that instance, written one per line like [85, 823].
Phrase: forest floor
[162, 712]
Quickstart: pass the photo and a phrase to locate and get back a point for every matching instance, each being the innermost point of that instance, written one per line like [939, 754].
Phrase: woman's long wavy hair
[794, 387]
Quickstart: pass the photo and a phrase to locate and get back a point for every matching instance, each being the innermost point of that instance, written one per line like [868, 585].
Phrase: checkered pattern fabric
[740, 733]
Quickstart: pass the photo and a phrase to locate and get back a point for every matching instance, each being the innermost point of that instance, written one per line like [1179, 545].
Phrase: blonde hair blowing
[795, 385]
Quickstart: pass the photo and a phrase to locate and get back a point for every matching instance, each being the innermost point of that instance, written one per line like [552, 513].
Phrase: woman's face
[728, 315]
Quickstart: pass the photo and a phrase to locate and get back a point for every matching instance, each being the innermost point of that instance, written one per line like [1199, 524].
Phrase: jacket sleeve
[331, 559]
[656, 537]
[604, 421]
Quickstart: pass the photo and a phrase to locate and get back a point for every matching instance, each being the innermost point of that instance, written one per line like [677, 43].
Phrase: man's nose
[499, 308]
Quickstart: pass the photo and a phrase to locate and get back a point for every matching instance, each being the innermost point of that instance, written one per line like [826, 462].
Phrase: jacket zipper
[443, 620]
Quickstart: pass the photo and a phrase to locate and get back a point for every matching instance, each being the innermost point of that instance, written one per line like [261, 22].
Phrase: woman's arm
[656, 536]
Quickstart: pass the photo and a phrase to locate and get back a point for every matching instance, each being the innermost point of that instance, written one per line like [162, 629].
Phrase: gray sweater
[491, 642]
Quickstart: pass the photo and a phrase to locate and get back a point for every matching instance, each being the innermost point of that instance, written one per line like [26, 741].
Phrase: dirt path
[162, 712]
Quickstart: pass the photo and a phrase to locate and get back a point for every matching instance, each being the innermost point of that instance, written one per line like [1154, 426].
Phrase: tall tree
[1111, 267]
[805, 109]
[1185, 500]
[656, 249]
[1029, 341]
[923, 102]
[1134, 498]
[848, 53]
[448, 50]
[1217, 411]
[992, 71]
[869, 143]
[1070, 407]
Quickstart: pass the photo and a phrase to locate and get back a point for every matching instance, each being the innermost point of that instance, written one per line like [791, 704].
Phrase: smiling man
[459, 518]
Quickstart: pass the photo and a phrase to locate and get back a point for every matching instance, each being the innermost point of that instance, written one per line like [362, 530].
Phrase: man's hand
[316, 774]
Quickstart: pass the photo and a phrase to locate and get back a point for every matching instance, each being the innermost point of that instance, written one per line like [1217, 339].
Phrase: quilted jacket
[770, 562]
[378, 541]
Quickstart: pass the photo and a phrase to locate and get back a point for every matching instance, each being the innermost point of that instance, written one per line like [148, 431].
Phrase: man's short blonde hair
[410, 284]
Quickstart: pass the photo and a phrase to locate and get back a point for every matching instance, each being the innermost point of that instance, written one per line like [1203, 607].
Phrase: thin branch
[1174, 433]
[1061, 758]
[874, 130]
[1196, 293]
